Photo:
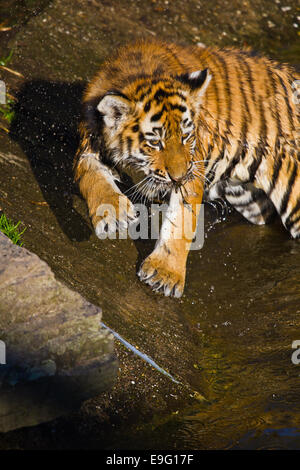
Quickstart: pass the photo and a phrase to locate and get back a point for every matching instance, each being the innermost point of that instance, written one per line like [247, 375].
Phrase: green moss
[10, 230]
[7, 111]
[5, 60]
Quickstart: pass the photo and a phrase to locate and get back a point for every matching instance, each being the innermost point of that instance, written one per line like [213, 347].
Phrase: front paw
[115, 215]
[164, 274]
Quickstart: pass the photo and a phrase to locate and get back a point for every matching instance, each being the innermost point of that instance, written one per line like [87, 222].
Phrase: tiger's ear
[114, 107]
[197, 81]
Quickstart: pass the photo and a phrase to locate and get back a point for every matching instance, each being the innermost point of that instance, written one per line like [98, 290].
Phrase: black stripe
[263, 130]
[214, 85]
[277, 168]
[247, 68]
[208, 154]
[289, 222]
[292, 223]
[141, 137]
[245, 110]
[256, 163]
[177, 106]
[139, 88]
[217, 160]
[147, 106]
[233, 162]
[268, 211]
[259, 195]
[263, 124]
[287, 102]
[160, 94]
[157, 116]
[273, 84]
[121, 142]
[227, 86]
[143, 95]
[291, 182]
[129, 144]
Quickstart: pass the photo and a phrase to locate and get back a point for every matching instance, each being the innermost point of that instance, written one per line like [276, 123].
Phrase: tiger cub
[190, 120]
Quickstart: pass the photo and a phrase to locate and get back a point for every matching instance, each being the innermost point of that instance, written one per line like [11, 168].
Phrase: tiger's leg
[280, 179]
[165, 268]
[109, 209]
[251, 202]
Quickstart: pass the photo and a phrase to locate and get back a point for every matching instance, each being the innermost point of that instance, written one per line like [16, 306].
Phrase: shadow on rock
[46, 119]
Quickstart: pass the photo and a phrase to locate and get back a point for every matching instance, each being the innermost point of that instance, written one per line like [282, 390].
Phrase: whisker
[199, 175]
[198, 171]
[139, 190]
[135, 185]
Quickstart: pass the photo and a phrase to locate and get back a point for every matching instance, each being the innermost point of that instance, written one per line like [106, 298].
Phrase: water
[239, 317]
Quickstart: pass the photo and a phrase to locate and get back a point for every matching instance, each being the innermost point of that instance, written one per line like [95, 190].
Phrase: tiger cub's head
[150, 126]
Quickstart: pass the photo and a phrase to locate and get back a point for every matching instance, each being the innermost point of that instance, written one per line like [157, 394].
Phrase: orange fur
[241, 143]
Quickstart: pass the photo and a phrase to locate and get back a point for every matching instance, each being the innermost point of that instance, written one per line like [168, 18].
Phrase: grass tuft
[11, 230]
[5, 60]
[7, 111]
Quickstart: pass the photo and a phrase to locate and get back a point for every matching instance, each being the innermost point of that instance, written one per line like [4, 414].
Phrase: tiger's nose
[177, 174]
[175, 179]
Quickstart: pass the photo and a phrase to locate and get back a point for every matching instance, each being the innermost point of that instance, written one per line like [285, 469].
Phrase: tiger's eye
[154, 142]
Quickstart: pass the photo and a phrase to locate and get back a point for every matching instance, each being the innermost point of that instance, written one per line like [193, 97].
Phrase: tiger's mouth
[158, 187]
[151, 186]
[176, 183]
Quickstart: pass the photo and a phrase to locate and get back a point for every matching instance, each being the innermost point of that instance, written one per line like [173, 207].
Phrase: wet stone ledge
[56, 353]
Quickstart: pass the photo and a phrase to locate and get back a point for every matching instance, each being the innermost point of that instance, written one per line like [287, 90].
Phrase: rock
[56, 354]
